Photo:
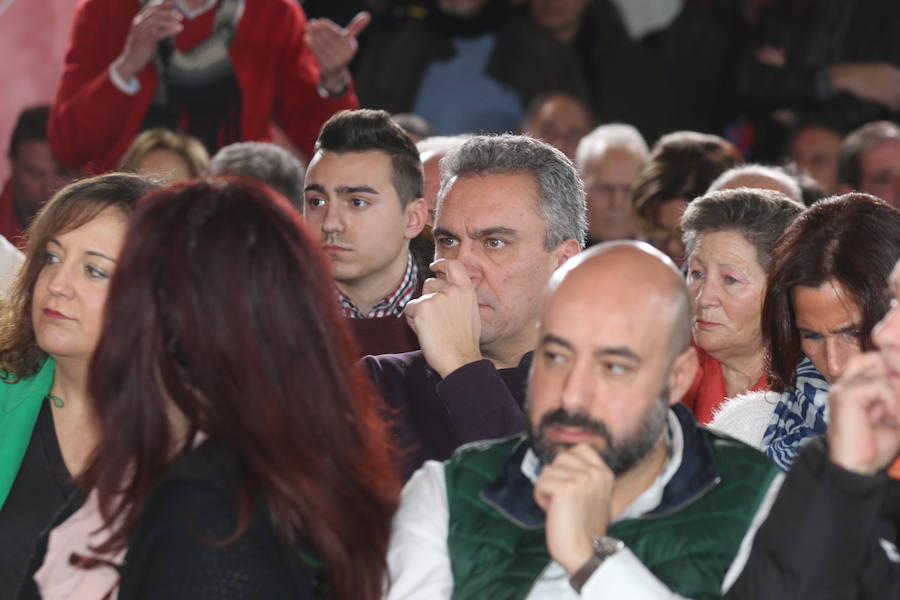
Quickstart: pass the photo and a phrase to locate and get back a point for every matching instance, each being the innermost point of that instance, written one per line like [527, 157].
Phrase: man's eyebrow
[314, 187]
[355, 189]
[549, 338]
[441, 232]
[491, 231]
[621, 351]
[480, 233]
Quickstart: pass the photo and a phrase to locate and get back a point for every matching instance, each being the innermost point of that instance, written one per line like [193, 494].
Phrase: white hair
[778, 175]
[607, 137]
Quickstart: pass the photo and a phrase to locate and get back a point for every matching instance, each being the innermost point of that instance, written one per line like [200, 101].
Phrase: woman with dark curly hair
[825, 293]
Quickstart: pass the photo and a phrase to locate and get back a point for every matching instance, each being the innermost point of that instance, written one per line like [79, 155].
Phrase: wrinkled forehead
[474, 197]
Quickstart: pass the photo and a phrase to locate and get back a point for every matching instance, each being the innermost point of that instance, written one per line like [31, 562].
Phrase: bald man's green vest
[496, 537]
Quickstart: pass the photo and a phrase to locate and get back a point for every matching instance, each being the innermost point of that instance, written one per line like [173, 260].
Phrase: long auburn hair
[223, 306]
[853, 239]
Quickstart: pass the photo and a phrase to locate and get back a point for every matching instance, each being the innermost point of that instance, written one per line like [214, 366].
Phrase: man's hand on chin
[575, 491]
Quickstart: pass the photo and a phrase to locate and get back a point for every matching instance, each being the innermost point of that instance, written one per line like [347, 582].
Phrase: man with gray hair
[264, 162]
[510, 210]
[609, 159]
[759, 177]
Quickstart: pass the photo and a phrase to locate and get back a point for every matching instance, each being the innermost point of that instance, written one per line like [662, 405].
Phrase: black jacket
[831, 534]
[173, 552]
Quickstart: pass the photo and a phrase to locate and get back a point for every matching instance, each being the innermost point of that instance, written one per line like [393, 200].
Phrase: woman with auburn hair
[49, 327]
[241, 454]
[824, 295]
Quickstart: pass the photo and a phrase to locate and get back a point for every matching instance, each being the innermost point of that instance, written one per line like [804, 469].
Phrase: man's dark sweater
[432, 417]
[390, 334]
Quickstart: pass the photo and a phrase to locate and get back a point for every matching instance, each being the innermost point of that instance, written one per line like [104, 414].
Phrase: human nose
[836, 355]
[621, 197]
[578, 389]
[707, 294]
[468, 255]
[333, 220]
[60, 281]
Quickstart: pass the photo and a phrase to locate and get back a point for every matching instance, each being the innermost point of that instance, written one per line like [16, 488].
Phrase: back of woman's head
[68, 209]
[681, 165]
[853, 239]
[188, 149]
[223, 307]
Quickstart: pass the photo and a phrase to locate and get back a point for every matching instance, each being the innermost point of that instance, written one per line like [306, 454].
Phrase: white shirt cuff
[624, 576]
[131, 87]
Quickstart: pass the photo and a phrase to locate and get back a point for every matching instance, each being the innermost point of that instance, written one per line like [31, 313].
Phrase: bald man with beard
[615, 491]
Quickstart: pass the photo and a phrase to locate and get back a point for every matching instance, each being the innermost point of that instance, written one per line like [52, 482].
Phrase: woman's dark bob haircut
[853, 239]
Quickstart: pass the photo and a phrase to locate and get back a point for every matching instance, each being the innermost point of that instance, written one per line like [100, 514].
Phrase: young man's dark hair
[366, 130]
[31, 126]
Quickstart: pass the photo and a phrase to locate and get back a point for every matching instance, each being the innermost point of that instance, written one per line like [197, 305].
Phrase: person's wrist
[334, 83]
[578, 558]
[602, 548]
[453, 363]
[123, 69]
[852, 466]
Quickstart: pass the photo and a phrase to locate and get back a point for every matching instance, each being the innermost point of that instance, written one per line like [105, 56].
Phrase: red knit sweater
[93, 122]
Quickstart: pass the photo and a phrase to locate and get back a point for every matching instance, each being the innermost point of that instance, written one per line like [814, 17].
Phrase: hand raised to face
[446, 319]
[575, 491]
[864, 424]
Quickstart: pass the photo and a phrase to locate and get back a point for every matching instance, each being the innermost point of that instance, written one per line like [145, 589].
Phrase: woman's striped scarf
[800, 414]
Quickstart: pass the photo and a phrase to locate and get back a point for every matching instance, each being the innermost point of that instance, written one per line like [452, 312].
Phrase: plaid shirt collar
[393, 303]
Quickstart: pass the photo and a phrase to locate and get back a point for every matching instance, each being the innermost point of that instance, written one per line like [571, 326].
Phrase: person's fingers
[357, 24]
[453, 271]
[433, 285]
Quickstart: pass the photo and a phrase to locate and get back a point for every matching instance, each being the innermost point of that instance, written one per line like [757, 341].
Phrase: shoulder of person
[745, 416]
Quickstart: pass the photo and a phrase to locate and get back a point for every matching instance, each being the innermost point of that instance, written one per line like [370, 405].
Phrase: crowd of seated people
[456, 298]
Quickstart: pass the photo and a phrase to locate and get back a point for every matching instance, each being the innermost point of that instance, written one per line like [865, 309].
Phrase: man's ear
[682, 374]
[567, 250]
[416, 212]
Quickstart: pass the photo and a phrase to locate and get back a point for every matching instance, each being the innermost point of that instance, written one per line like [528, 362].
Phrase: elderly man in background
[609, 159]
[870, 161]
